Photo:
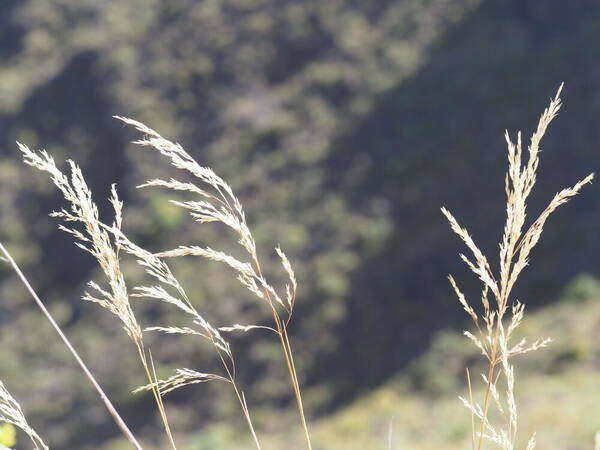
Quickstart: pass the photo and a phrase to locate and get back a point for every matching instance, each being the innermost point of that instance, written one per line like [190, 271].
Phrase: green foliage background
[343, 126]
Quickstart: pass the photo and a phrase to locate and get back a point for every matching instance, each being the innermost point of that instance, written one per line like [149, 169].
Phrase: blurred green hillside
[343, 126]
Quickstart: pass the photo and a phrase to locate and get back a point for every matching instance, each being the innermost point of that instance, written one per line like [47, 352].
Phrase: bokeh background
[343, 126]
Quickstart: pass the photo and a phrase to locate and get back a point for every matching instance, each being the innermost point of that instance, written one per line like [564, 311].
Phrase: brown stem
[490, 377]
[240, 398]
[281, 327]
[109, 406]
[294, 375]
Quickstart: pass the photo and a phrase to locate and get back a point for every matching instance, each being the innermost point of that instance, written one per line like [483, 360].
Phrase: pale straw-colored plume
[105, 242]
[170, 291]
[11, 412]
[96, 238]
[497, 319]
[218, 203]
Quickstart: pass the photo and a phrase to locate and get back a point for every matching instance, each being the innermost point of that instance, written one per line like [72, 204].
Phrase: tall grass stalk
[499, 319]
[218, 203]
[109, 406]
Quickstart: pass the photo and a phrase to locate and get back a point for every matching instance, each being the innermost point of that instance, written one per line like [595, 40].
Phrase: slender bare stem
[472, 414]
[490, 377]
[156, 392]
[109, 406]
[287, 351]
[242, 401]
[296, 385]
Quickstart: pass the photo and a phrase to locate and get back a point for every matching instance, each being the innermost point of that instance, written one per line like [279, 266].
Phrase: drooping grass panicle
[494, 339]
[218, 203]
[11, 412]
[228, 209]
[161, 272]
[169, 290]
[97, 239]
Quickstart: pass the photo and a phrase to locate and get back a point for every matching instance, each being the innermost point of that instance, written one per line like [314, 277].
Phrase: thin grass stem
[109, 406]
[156, 392]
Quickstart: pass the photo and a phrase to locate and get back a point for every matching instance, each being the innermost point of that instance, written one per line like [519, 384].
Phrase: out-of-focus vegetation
[343, 126]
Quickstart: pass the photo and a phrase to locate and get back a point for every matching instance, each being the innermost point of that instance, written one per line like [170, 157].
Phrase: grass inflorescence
[497, 319]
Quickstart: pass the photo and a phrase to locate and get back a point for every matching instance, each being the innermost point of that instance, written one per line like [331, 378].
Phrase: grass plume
[496, 320]
[96, 239]
[218, 203]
